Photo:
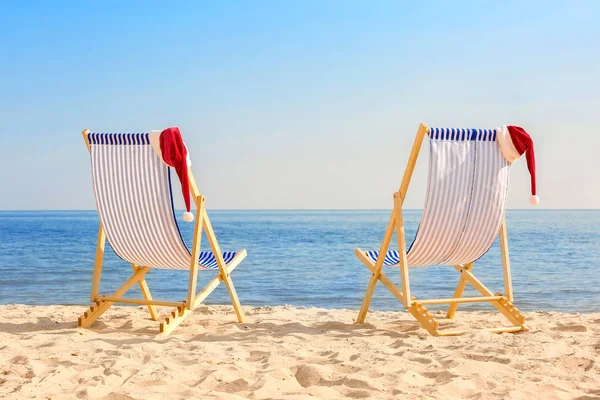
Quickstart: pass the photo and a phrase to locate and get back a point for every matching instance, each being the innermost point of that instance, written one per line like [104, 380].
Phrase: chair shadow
[249, 331]
[259, 330]
[47, 325]
[42, 324]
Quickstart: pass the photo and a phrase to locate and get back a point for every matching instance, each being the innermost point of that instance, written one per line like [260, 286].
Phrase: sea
[305, 258]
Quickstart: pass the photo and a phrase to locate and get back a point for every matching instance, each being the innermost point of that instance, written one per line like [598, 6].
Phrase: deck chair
[462, 216]
[132, 186]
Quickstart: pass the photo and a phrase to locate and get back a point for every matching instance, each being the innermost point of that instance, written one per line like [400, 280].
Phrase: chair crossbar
[140, 301]
[500, 329]
[462, 300]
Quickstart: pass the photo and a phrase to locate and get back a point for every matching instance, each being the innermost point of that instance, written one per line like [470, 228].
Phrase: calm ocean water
[304, 258]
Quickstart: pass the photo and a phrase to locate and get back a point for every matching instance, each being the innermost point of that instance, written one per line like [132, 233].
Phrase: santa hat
[174, 153]
[514, 141]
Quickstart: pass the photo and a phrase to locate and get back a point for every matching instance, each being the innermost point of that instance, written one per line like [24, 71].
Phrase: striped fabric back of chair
[466, 197]
[133, 197]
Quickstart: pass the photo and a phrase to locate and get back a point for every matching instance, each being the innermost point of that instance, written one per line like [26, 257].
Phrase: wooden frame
[183, 308]
[503, 302]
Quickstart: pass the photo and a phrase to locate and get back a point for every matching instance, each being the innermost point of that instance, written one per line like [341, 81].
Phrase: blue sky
[296, 104]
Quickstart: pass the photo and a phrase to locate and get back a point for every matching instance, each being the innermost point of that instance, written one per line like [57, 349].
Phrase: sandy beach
[292, 353]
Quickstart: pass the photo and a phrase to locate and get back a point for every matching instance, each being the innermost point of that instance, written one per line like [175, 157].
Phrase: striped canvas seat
[208, 260]
[392, 257]
[133, 196]
[465, 201]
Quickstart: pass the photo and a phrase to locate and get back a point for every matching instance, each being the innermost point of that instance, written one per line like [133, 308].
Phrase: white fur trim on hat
[188, 216]
[154, 137]
[534, 200]
[188, 159]
[507, 147]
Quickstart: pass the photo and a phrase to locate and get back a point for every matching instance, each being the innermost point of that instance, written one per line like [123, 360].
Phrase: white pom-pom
[534, 200]
[188, 216]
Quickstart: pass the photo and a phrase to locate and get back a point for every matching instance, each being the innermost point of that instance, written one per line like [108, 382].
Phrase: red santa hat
[514, 141]
[174, 153]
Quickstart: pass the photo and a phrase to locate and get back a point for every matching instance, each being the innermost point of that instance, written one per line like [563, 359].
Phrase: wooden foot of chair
[511, 312]
[99, 307]
[424, 317]
[503, 305]
[92, 312]
[174, 320]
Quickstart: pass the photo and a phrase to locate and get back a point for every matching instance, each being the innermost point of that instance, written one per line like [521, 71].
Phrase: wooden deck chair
[132, 186]
[462, 216]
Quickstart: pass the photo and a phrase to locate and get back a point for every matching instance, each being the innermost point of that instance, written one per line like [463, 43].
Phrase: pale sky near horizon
[297, 105]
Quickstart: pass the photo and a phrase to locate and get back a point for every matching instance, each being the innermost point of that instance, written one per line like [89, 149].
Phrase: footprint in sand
[259, 356]
[575, 363]
[329, 354]
[346, 369]
[13, 373]
[482, 357]
[336, 326]
[441, 377]
[235, 386]
[20, 366]
[316, 375]
[397, 344]
[359, 394]
[421, 360]
[354, 383]
[409, 328]
[310, 375]
[47, 344]
[117, 396]
[570, 328]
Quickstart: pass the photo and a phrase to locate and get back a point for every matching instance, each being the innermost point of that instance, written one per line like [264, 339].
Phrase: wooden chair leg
[98, 262]
[195, 252]
[233, 296]
[385, 245]
[214, 245]
[146, 293]
[460, 288]
[508, 289]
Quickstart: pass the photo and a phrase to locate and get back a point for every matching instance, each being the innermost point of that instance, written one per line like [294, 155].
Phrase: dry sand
[292, 353]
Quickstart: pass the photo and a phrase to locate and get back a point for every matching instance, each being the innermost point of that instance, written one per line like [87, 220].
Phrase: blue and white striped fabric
[133, 196]
[208, 260]
[465, 202]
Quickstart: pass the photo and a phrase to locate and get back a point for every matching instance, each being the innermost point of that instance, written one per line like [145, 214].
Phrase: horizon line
[302, 209]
